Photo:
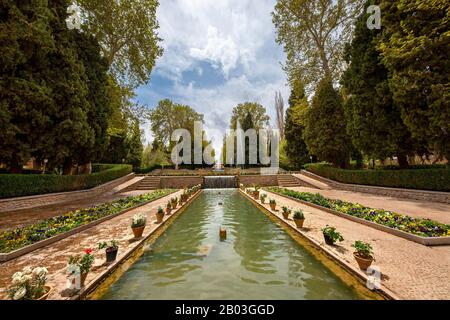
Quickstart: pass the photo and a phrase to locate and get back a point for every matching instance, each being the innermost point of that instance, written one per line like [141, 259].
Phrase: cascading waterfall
[220, 182]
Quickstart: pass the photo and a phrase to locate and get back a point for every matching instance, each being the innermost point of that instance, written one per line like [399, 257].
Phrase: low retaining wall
[434, 196]
[180, 182]
[261, 180]
[13, 204]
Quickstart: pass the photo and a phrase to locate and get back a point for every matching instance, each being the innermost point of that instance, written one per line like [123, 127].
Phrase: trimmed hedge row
[421, 179]
[17, 185]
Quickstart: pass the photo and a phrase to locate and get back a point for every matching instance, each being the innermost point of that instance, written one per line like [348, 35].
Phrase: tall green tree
[135, 146]
[258, 113]
[325, 130]
[44, 86]
[373, 120]
[415, 49]
[25, 42]
[168, 116]
[295, 147]
[128, 34]
[96, 70]
[313, 33]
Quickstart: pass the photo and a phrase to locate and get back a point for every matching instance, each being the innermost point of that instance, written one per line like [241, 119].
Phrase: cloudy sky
[217, 53]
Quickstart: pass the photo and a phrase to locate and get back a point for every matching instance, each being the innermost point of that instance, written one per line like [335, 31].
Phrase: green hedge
[16, 185]
[421, 179]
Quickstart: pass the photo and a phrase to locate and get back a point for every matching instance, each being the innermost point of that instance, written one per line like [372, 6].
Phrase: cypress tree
[373, 121]
[325, 129]
[135, 146]
[25, 92]
[415, 48]
[296, 149]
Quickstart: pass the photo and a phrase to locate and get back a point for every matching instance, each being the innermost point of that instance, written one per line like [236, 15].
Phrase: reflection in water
[258, 260]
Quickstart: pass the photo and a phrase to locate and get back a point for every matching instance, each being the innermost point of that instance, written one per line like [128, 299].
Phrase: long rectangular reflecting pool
[258, 260]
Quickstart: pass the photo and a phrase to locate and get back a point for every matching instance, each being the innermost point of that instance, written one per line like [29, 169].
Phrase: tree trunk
[85, 168]
[402, 161]
[15, 167]
[68, 168]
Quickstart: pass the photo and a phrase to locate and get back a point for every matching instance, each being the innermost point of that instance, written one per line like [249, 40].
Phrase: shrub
[331, 233]
[139, 220]
[109, 246]
[28, 284]
[436, 178]
[299, 215]
[363, 249]
[16, 185]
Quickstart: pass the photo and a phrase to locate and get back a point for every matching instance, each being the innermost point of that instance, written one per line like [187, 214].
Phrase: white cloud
[236, 37]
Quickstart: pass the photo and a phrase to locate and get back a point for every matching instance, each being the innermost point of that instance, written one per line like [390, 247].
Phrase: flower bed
[417, 226]
[15, 239]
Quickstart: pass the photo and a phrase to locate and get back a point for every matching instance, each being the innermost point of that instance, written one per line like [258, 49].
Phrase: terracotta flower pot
[299, 222]
[138, 231]
[174, 205]
[111, 255]
[328, 240]
[47, 293]
[256, 195]
[168, 211]
[83, 277]
[285, 215]
[273, 206]
[159, 217]
[363, 263]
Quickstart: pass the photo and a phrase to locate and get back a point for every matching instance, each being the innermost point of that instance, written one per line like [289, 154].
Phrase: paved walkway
[410, 270]
[415, 208]
[55, 256]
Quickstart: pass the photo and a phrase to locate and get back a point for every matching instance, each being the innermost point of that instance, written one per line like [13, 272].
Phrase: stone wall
[12, 204]
[180, 182]
[426, 195]
[261, 180]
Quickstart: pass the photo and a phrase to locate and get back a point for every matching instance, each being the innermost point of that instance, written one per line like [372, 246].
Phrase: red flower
[88, 251]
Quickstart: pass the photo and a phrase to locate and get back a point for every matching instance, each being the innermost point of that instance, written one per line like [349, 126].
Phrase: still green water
[259, 260]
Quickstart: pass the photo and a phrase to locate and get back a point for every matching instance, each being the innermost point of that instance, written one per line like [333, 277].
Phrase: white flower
[27, 270]
[20, 293]
[40, 271]
[17, 278]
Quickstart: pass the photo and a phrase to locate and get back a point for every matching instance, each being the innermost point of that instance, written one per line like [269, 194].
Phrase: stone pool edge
[103, 281]
[315, 248]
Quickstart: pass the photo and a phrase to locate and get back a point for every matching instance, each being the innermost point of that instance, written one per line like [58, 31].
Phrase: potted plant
[263, 198]
[256, 192]
[83, 264]
[138, 224]
[169, 207]
[363, 254]
[111, 250]
[299, 218]
[160, 215]
[273, 204]
[286, 212]
[29, 284]
[331, 235]
[174, 203]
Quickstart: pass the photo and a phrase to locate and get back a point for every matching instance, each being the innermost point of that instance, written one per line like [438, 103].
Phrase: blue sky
[216, 55]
